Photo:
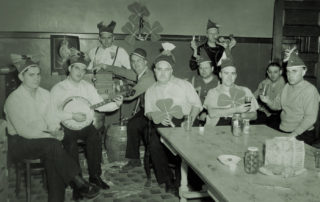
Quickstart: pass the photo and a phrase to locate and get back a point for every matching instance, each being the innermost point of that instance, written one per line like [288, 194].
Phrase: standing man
[138, 123]
[299, 102]
[203, 82]
[183, 94]
[74, 85]
[212, 47]
[31, 137]
[228, 98]
[107, 54]
[272, 87]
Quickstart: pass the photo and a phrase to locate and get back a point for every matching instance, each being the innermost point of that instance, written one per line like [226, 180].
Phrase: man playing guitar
[75, 86]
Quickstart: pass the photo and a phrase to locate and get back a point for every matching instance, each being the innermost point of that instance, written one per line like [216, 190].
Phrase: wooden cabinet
[8, 82]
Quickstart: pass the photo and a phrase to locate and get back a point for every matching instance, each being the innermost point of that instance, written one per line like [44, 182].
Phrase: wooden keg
[116, 142]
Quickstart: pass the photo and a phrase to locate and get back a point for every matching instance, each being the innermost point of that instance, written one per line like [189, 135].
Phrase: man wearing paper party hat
[31, 136]
[299, 101]
[107, 54]
[75, 86]
[214, 46]
[177, 92]
[228, 98]
[203, 82]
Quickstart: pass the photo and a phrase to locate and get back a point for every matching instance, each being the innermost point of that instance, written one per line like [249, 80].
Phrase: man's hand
[118, 100]
[243, 108]
[99, 67]
[202, 116]
[58, 134]
[79, 117]
[167, 121]
[265, 99]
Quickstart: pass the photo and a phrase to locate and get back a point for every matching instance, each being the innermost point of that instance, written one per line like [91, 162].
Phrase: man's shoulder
[60, 85]
[309, 87]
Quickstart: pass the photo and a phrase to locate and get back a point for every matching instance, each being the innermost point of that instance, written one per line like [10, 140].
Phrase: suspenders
[114, 59]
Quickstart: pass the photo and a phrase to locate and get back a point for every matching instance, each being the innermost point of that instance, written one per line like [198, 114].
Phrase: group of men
[34, 115]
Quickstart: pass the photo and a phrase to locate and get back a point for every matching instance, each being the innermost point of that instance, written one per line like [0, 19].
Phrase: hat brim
[26, 68]
[137, 54]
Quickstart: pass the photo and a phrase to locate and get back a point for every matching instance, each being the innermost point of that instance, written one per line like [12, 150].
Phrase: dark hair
[274, 64]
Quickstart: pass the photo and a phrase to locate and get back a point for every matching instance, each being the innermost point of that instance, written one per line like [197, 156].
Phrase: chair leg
[18, 178]
[147, 156]
[44, 181]
[28, 182]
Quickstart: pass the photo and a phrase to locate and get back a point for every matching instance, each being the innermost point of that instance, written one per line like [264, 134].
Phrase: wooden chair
[30, 166]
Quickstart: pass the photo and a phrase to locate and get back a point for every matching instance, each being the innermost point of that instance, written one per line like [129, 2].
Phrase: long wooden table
[200, 151]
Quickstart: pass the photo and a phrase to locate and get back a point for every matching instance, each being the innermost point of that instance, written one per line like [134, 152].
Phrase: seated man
[183, 94]
[272, 87]
[107, 54]
[203, 82]
[299, 102]
[228, 98]
[74, 85]
[30, 137]
[138, 123]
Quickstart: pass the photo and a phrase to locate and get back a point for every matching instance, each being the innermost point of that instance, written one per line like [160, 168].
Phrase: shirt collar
[140, 75]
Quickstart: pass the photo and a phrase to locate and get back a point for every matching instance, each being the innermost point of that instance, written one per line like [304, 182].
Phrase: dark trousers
[59, 165]
[161, 156]
[136, 129]
[308, 137]
[272, 121]
[93, 147]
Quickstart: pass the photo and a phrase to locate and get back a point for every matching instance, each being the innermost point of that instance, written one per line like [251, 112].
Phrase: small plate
[229, 160]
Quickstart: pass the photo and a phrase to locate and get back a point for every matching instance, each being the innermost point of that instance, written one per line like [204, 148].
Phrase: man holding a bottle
[272, 87]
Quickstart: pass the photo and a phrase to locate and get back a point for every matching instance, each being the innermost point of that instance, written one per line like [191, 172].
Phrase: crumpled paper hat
[293, 59]
[78, 57]
[226, 63]
[166, 54]
[203, 57]
[140, 52]
[23, 62]
[106, 28]
[211, 24]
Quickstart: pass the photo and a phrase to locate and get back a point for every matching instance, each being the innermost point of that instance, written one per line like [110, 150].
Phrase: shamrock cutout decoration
[236, 98]
[166, 110]
[139, 26]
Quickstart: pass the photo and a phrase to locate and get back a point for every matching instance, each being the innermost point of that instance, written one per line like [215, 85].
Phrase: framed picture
[60, 51]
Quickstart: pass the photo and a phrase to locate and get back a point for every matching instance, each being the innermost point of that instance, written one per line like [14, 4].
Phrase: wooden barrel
[116, 142]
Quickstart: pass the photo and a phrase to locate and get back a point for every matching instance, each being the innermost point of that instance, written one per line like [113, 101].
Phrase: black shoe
[83, 189]
[99, 182]
[170, 188]
[132, 163]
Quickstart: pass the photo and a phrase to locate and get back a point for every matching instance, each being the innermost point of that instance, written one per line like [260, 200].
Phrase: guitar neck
[101, 103]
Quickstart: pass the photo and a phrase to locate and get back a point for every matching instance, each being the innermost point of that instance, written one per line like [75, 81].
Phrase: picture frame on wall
[60, 46]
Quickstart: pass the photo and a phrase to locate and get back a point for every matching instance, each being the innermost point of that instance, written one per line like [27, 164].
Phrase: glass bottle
[251, 160]
[236, 124]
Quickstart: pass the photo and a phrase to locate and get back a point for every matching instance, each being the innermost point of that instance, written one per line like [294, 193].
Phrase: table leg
[184, 181]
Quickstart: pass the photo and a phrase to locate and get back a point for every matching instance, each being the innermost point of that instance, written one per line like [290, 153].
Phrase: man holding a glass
[271, 87]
